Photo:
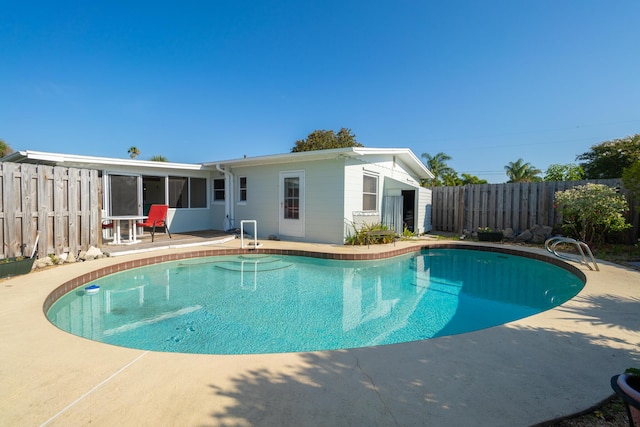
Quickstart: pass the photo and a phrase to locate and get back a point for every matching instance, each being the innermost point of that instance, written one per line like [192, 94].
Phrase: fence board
[60, 203]
[512, 205]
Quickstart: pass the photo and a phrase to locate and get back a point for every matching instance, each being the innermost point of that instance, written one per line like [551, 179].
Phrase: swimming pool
[252, 304]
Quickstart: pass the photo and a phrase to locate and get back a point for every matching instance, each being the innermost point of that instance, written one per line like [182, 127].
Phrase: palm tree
[438, 166]
[133, 152]
[519, 171]
[159, 158]
[5, 149]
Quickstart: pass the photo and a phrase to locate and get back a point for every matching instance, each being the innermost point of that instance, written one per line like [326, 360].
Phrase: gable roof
[403, 154]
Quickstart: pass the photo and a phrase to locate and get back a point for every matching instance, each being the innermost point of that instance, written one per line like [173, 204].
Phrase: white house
[314, 196]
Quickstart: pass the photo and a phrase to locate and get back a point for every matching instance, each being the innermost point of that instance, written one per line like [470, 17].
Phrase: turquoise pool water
[273, 304]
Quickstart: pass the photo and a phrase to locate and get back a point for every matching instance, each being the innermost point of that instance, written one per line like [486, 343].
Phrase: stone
[508, 233]
[43, 262]
[71, 258]
[525, 236]
[535, 228]
[93, 252]
[538, 237]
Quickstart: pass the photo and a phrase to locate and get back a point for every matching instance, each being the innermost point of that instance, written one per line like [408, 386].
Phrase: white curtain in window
[392, 213]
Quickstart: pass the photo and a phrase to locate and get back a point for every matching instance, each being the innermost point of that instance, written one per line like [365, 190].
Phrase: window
[218, 189]
[370, 193]
[178, 192]
[292, 198]
[243, 188]
[197, 193]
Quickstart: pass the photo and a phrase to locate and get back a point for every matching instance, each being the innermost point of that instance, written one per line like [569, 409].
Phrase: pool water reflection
[270, 304]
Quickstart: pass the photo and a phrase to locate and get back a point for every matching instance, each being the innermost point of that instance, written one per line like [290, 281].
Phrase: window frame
[185, 197]
[218, 191]
[368, 194]
[242, 191]
[197, 192]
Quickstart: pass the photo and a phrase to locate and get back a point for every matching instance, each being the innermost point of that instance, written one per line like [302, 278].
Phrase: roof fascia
[78, 160]
[405, 154]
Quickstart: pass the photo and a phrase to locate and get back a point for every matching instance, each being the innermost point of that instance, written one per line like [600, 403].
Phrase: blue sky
[484, 82]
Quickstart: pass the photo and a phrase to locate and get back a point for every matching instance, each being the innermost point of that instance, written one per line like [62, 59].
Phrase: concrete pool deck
[532, 370]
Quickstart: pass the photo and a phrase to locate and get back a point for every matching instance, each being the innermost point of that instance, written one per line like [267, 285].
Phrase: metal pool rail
[551, 243]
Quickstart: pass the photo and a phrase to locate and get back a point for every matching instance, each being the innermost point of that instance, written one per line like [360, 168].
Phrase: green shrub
[359, 237]
[591, 211]
[407, 234]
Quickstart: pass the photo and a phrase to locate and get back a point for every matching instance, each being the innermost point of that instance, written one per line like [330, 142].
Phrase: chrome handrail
[255, 232]
[551, 243]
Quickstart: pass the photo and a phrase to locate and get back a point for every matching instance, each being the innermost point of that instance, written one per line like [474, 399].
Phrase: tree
[472, 179]
[438, 166]
[451, 179]
[590, 211]
[631, 179]
[568, 172]
[133, 152]
[608, 159]
[5, 149]
[325, 140]
[519, 171]
[159, 158]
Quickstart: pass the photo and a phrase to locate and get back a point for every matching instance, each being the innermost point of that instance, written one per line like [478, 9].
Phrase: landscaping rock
[538, 238]
[525, 236]
[43, 262]
[90, 254]
[536, 234]
[508, 233]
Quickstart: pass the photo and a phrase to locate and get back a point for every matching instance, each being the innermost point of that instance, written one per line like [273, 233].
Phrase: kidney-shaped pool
[251, 304]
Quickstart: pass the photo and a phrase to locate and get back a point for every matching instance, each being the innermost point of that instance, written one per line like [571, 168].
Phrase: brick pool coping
[83, 279]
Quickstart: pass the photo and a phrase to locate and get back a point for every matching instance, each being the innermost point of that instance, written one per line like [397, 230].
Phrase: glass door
[124, 194]
[292, 203]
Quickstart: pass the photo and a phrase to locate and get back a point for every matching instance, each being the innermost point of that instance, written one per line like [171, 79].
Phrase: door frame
[287, 227]
[109, 196]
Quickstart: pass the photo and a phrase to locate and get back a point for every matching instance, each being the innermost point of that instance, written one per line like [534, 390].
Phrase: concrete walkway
[549, 365]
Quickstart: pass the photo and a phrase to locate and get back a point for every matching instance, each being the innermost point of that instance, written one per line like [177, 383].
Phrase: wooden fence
[516, 205]
[62, 204]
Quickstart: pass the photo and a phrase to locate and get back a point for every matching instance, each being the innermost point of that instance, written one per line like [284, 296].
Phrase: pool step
[438, 285]
[251, 264]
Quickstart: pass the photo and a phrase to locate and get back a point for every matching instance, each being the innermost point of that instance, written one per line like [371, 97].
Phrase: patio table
[132, 219]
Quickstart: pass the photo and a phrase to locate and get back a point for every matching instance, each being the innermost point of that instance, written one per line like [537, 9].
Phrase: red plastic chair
[106, 224]
[157, 218]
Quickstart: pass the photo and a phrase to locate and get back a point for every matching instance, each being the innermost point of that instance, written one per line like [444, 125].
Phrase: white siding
[183, 220]
[352, 190]
[393, 177]
[424, 210]
[262, 198]
[323, 199]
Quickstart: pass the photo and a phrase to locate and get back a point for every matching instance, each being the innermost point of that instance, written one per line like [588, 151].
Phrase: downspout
[228, 199]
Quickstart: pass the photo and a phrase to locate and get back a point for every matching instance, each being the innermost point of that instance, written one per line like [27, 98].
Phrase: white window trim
[377, 193]
[240, 201]
[213, 191]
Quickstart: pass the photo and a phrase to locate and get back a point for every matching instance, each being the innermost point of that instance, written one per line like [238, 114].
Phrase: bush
[359, 237]
[591, 211]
